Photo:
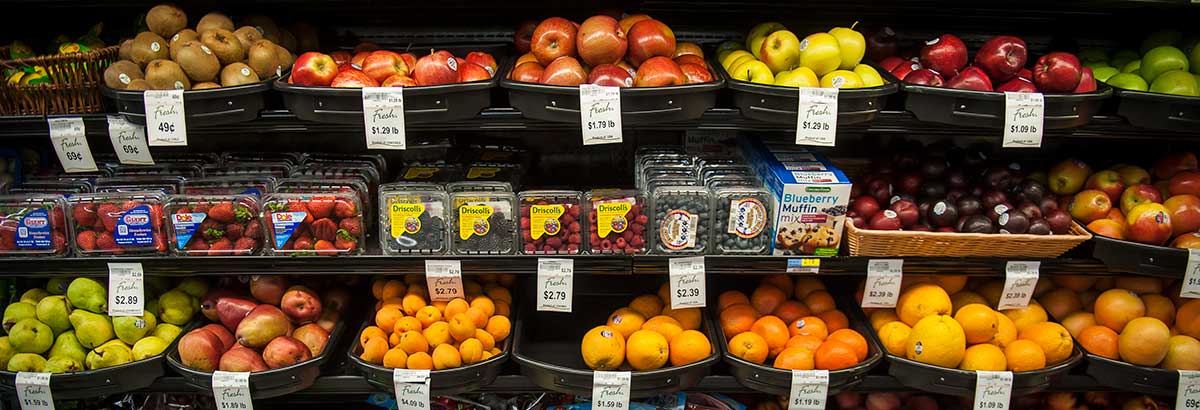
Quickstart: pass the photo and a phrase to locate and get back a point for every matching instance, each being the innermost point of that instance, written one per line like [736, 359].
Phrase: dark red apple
[1002, 57]
[946, 55]
[691, 59]
[381, 64]
[881, 44]
[553, 38]
[340, 57]
[1017, 85]
[610, 75]
[1171, 164]
[907, 211]
[523, 35]
[891, 62]
[1087, 81]
[627, 22]
[866, 206]
[910, 183]
[905, 68]
[972, 78]
[925, 76]
[1057, 72]
[530, 72]
[1185, 182]
[649, 38]
[485, 60]
[353, 79]
[600, 41]
[658, 71]
[468, 72]
[885, 221]
[695, 74]
[564, 70]
[365, 47]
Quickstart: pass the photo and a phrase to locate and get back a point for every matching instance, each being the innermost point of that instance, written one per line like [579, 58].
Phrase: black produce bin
[270, 383]
[1158, 111]
[441, 382]
[1130, 377]
[777, 104]
[1133, 257]
[424, 104]
[215, 106]
[985, 109]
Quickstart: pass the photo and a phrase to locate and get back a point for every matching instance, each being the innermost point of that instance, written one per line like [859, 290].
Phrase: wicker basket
[866, 242]
[74, 86]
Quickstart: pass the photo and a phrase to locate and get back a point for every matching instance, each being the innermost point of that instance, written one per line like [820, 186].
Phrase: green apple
[799, 77]
[841, 79]
[780, 51]
[870, 77]
[851, 45]
[753, 71]
[1162, 59]
[821, 53]
[1161, 38]
[1176, 82]
[1128, 81]
[1092, 55]
[1102, 74]
[1096, 64]
[1134, 66]
[729, 45]
[1194, 60]
[759, 33]
[1120, 58]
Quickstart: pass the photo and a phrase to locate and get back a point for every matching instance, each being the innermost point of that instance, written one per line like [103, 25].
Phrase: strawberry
[106, 242]
[156, 217]
[351, 225]
[345, 209]
[222, 212]
[160, 242]
[86, 240]
[57, 218]
[220, 247]
[84, 214]
[345, 241]
[109, 215]
[59, 240]
[253, 229]
[301, 207]
[201, 208]
[233, 231]
[183, 210]
[321, 207]
[325, 248]
[197, 244]
[245, 244]
[324, 229]
[303, 243]
[130, 204]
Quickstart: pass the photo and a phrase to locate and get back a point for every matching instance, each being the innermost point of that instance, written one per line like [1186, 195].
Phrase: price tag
[126, 289]
[993, 390]
[1190, 288]
[1024, 114]
[816, 117]
[883, 283]
[687, 282]
[809, 390]
[383, 117]
[166, 124]
[412, 389]
[556, 284]
[1020, 278]
[33, 390]
[129, 141]
[610, 390]
[804, 265]
[444, 279]
[70, 142]
[1187, 397]
[231, 390]
[600, 112]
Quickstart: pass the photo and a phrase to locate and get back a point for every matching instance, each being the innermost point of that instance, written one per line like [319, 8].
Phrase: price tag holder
[1020, 279]
[166, 124]
[883, 283]
[993, 390]
[129, 141]
[809, 390]
[556, 284]
[412, 389]
[231, 390]
[610, 390]
[444, 279]
[1024, 117]
[1190, 288]
[69, 138]
[687, 282]
[600, 113]
[816, 116]
[33, 391]
[1187, 397]
[126, 289]
[383, 117]
[804, 265]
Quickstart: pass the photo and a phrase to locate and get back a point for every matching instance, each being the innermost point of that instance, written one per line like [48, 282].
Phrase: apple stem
[853, 25]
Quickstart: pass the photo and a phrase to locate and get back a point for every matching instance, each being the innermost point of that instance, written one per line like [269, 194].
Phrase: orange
[664, 292]
[485, 304]
[806, 341]
[1075, 283]
[834, 355]
[603, 348]
[461, 327]
[626, 321]
[937, 340]
[471, 351]
[503, 308]
[412, 342]
[414, 279]
[894, 337]
[807, 285]
[951, 283]
[1006, 331]
[809, 325]
[446, 357]
[984, 357]
[428, 315]
[664, 325]
[1060, 302]
[1116, 307]
[377, 287]
[1028, 315]
[834, 320]
[1088, 297]
[795, 358]
[737, 319]
[1187, 318]
[396, 358]
[499, 327]
[646, 350]
[374, 350]
[420, 360]
[417, 289]
[852, 339]
[371, 332]
[1054, 339]
[749, 346]
[882, 317]
[920, 301]
[1100, 341]
[393, 289]
[790, 310]
[393, 302]
[689, 346]
[1144, 341]
[1183, 353]
[1024, 355]
[731, 297]
[456, 306]
[486, 339]
[506, 279]
[783, 282]
[1139, 284]
[407, 323]
[688, 318]
[485, 355]
[820, 301]
[1076, 322]
[647, 305]
[991, 291]
[412, 304]
[440, 305]
[912, 280]
[499, 294]
[964, 298]
[774, 331]
[477, 316]
[766, 298]
[1159, 307]
[472, 288]
[978, 322]
[437, 334]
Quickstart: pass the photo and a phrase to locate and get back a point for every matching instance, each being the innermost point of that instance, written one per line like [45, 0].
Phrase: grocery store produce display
[1001, 64]
[1166, 63]
[774, 55]
[646, 335]
[370, 66]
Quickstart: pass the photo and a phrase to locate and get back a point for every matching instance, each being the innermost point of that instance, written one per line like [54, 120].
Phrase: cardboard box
[812, 197]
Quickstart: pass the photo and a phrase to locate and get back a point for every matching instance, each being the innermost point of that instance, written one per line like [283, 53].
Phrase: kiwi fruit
[147, 47]
[166, 75]
[138, 85]
[247, 36]
[126, 48]
[287, 40]
[265, 25]
[285, 57]
[224, 44]
[166, 20]
[181, 37]
[263, 58]
[198, 62]
[121, 73]
[238, 74]
[205, 85]
[214, 20]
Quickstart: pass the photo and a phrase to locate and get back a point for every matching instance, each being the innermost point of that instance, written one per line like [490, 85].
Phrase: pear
[113, 353]
[31, 336]
[91, 329]
[6, 352]
[62, 364]
[17, 311]
[131, 328]
[193, 286]
[68, 345]
[156, 285]
[177, 307]
[26, 362]
[33, 296]
[89, 295]
[166, 331]
[851, 44]
[152, 306]
[58, 285]
[53, 311]
[263, 324]
[149, 346]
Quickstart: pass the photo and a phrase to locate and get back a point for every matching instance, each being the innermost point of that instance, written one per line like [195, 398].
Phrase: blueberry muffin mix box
[812, 197]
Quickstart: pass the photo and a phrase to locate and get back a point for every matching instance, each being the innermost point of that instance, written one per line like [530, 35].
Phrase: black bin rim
[364, 367]
[1159, 97]
[716, 84]
[890, 87]
[1103, 91]
[195, 95]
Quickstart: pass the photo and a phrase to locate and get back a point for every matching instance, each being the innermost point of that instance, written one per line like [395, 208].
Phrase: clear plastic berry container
[412, 219]
[236, 185]
[432, 173]
[275, 169]
[189, 170]
[325, 224]
[33, 225]
[118, 223]
[682, 215]
[616, 221]
[214, 225]
[483, 223]
[551, 222]
[743, 220]
[167, 184]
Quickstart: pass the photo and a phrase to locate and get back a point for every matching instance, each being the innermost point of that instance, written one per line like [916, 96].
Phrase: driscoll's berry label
[33, 231]
[543, 220]
[284, 224]
[134, 227]
[405, 218]
[613, 216]
[473, 220]
[747, 217]
[678, 230]
[185, 226]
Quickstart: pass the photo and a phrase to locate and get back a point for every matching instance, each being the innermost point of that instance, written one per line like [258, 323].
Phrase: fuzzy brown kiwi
[306, 37]
[166, 75]
[247, 36]
[238, 74]
[287, 40]
[285, 58]
[138, 85]
[224, 44]
[265, 25]
[181, 37]
[198, 62]
[126, 48]
[205, 85]
[263, 58]
[148, 47]
[166, 20]
[214, 20]
[121, 73]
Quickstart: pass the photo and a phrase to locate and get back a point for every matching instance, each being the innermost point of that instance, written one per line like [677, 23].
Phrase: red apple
[1090, 205]
[399, 80]
[484, 60]
[530, 72]
[885, 221]
[628, 21]
[1132, 174]
[1017, 85]
[1149, 223]
[1185, 213]
[564, 70]
[435, 69]
[905, 68]
[907, 211]
[684, 48]
[410, 60]
[1087, 81]
[1172, 164]
[628, 68]
[649, 38]
[1026, 74]
[365, 47]
[553, 38]
[691, 59]
[600, 41]
[1139, 194]
[314, 69]
[865, 205]
[881, 44]
[971, 78]
[925, 76]
[340, 57]
[523, 35]
[1002, 57]
[610, 75]
[695, 74]
[381, 64]
[658, 71]
[1185, 182]
[1057, 72]
[891, 62]
[1107, 181]
[468, 72]
[352, 78]
[525, 58]
[1187, 241]
[359, 58]
[1109, 228]
[946, 55]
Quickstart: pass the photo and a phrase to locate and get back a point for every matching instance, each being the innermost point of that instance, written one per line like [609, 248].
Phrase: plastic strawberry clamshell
[325, 224]
[214, 225]
[33, 225]
[117, 223]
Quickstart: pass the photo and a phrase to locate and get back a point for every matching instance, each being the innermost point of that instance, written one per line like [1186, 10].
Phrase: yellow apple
[799, 77]
[727, 60]
[781, 51]
[821, 53]
[841, 79]
[753, 71]
[870, 77]
[759, 33]
[851, 44]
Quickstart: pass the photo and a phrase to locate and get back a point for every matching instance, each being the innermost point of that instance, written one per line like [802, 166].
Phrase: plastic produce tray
[1133, 257]
[1158, 111]
[213, 106]
[778, 104]
[1130, 377]
[986, 109]
[441, 382]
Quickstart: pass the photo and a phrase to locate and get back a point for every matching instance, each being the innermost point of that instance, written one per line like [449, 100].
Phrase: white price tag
[816, 116]
[383, 117]
[231, 390]
[33, 391]
[166, 124]
[1024, 115]
[687, 282]
[610, 390]
[993, 390]
[129, 141]
[1187, 397]
[556, 284]
[809, 390]
[883, 283]
[1020, 279]
[126, 289]
[600, 113]
[412, 389]
[443, 278]
[69, 138]
[1190, 288]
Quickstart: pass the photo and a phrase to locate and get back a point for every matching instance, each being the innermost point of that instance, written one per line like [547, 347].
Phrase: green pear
[58, 285]
[1194, 59]
[88, 294]
[6, 352]
[91, 329]
[1162, 59]
[1132, 66]
[1120, 58]
[1127, 81]
[31, 336]
[153, 307]
[131, 328]
[194, 286]
[63, 364]
[195, 304]
[17, 311]
[1102, 74]
[852, 45]
[113, 353]
[166, 331]
[177, 308]
[26, 362]
[149, 346]
[54, 312]
[1177, 82]
[156, 285]
[33, 296]
[68, 345]
[1161, 38]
